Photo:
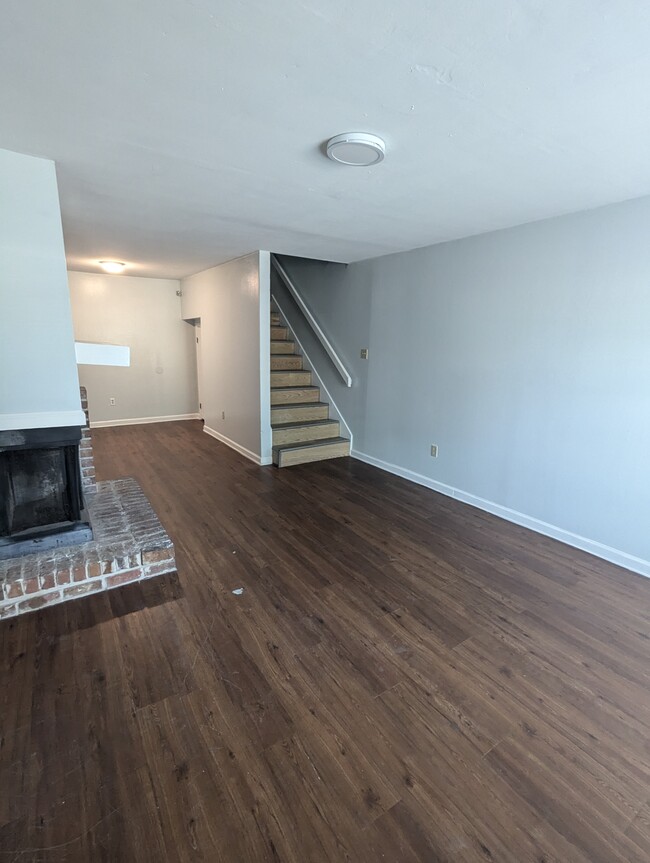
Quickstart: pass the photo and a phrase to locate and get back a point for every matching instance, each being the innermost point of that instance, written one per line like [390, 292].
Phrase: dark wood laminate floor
[403, 679]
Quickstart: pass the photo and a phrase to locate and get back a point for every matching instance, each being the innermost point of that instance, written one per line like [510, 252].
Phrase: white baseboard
[238, 447]
[137, 421]
[612, 555]
[45, 420]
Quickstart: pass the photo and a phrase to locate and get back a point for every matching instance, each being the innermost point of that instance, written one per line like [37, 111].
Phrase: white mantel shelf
[44, 420]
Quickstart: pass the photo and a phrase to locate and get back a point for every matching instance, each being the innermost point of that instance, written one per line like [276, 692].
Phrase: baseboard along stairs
[300, 421]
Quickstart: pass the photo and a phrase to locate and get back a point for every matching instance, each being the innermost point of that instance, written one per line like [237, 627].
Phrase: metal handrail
[313, 323]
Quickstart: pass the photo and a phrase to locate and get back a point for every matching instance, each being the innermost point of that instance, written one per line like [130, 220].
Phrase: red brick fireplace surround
[129, 544]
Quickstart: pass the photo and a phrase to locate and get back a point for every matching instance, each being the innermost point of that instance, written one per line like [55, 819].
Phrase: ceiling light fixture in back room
[356, 148]
[113, 267]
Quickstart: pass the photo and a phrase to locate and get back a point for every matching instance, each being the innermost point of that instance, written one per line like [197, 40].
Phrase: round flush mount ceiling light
[113, 267]
[356, 148]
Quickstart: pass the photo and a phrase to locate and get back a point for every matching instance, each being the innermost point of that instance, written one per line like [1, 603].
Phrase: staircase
[302, 429]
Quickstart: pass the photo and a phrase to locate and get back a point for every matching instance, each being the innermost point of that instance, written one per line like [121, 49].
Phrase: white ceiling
[187, 132]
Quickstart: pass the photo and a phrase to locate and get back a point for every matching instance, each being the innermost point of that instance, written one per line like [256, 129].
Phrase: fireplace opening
[41, 501]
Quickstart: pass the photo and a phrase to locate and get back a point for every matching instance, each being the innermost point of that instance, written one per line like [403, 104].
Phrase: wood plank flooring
[404, 678]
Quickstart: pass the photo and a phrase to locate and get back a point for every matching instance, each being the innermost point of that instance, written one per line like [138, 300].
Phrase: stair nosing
[291, 389]
[303, 424]
[299, 405]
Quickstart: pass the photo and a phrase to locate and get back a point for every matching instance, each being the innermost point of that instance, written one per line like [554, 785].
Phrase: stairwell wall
[232, 301]
[524, 354]
[332, 389]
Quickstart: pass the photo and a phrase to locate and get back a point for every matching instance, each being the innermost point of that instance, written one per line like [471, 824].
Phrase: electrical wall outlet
[112, 401]
[364, 353]
[434, 450]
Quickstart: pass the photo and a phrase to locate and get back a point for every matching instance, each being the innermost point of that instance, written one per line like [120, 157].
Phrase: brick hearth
[129, 544]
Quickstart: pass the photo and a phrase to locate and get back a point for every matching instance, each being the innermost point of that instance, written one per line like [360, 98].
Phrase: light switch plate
[364, 353]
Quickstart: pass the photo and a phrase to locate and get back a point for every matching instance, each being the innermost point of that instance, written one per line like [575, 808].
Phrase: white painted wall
[38, 373]
[143, 314]
[232, 302]
[524, 354]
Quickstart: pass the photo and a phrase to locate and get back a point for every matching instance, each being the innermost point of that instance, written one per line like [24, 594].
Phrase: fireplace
[48, 553]
[41, 501]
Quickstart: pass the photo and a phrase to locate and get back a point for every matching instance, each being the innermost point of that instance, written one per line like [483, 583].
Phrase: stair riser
[295, 395]
[299, 413]
[281, 379]
[275, 319]
[279, 333]
[283, 347]
[320, 453]
[309, 432]
[286, 363]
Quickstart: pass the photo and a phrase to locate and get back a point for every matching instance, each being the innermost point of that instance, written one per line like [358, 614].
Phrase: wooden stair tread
[302, 411]
[277, 375]
[286, 362]
[327, 441]
[293, 454]
[301, 395]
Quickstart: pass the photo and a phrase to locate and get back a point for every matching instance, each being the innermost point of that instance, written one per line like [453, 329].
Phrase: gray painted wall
[143, 314]
[39, 387]
[232, 302]
[524, 354]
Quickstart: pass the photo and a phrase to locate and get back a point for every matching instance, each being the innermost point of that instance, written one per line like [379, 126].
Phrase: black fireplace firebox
[41, 501]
